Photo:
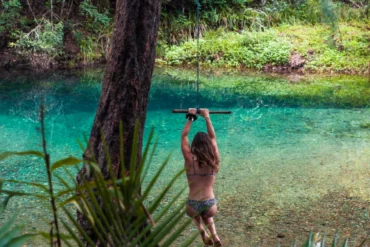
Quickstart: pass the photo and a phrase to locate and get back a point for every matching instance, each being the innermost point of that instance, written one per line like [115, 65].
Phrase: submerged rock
[296, 61]
[295, 64]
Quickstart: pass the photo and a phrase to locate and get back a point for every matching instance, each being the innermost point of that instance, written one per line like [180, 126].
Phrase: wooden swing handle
[210, 112]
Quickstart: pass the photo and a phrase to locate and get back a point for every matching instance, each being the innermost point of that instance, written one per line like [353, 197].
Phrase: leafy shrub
[178, 18]
[96, 21]
[249, 49]
[124, 219]
[10, 235]
[46, 37]
[313, 42]
[96, 43]
[89, 47]
[10, 14]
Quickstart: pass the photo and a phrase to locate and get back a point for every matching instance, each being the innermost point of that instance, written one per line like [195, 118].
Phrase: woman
[201, 164]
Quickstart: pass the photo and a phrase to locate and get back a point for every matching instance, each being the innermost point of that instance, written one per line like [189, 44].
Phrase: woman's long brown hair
[204, 150]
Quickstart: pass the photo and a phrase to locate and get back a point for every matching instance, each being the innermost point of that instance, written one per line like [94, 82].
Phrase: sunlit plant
[117, 211]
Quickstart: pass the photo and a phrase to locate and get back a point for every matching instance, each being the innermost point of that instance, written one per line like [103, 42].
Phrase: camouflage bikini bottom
[201, 207]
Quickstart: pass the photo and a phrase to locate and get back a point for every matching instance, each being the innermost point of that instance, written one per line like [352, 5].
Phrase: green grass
[355, 38]
[220, 49]
[349, 54]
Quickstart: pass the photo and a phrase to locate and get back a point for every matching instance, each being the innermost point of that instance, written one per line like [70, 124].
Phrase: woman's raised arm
[185, 147]
[211, 131]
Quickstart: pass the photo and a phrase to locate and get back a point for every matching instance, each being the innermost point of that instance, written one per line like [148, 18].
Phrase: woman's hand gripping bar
[198, 111]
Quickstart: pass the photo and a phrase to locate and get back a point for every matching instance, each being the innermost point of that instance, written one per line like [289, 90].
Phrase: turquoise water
[275, 155]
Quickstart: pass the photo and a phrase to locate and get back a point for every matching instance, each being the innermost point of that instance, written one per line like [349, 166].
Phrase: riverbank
[286, 48]
[248, 87]
[303, 49]
[252, 88]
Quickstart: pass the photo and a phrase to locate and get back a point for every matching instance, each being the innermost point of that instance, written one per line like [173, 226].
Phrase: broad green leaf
[155, 178]
[78, 227]
[335, 240]
[345, 244]
[16, 193]
[295, 243]
[5, 228]
[81, 145]
[10, 235]
[44, 187]
[323, 240]
[5, 155]
[165, 190]
[20, 240]
[166, 229]
[147, 165]
[308, 241]
[190, 239]
[177, 233]
[65, 162]
[134, 152]
[76, 238]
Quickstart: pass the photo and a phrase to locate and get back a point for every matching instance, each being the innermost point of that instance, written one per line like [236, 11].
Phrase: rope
[198, 68]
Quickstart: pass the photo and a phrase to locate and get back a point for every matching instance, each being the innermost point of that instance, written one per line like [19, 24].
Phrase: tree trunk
[126, 85]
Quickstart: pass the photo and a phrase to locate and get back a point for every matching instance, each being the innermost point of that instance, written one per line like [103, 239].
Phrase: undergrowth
[274, 46]
[249, 49]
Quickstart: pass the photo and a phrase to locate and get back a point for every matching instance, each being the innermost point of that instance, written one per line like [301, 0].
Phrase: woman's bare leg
[212, 229]
[200, 227]
[203, 233]
[197, 220]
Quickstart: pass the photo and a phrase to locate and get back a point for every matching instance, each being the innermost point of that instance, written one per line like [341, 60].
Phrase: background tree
[126, 85]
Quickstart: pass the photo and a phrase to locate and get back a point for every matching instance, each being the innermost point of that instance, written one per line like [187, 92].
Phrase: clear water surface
[285, 169]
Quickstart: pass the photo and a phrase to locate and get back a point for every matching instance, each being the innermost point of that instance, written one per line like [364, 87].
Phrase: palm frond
[10, 235]
[114, 208]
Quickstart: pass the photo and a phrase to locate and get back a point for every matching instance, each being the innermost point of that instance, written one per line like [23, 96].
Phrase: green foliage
[46, 37]
[335, 49]
[124, 219]
[331, 18]
[10, 14]
[317, 240]
[283, 12]
[89, 46]
[10, 235]
[178, 22]
[313, 42]
[96, 43]
[96, 21]
[178, 25]
[274, 46]
[249, 49]
[315, 11]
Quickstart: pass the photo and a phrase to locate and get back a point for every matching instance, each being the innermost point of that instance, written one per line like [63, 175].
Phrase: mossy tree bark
[126, 85]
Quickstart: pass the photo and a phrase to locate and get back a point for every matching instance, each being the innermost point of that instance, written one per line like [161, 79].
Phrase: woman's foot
[218, 242]
[206, 239]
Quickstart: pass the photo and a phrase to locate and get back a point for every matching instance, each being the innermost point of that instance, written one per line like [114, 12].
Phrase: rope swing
[198, 72]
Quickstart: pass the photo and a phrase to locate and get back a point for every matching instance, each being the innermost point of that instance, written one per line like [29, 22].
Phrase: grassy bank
[345, 91]
[322, 52]
[316, 35]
